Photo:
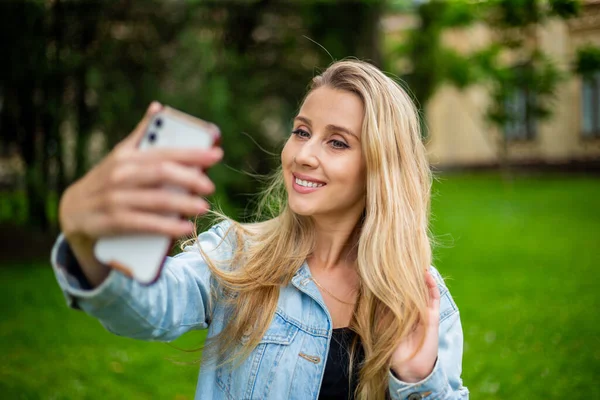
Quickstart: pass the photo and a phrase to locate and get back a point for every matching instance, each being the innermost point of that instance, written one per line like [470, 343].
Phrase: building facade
[461, 136]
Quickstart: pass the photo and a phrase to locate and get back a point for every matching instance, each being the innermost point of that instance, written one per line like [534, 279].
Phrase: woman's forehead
[327, 106]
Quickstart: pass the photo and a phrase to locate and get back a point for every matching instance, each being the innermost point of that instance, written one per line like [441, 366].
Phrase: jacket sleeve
[444, 382]
[179, 301]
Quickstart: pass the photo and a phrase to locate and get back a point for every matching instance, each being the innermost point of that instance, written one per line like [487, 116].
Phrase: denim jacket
[289, 361]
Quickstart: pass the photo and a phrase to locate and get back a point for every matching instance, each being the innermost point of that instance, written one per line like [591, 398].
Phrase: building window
[521, 123]
[590, 107]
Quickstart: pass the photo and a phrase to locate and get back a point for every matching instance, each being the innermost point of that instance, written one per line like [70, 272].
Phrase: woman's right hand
[125, 193]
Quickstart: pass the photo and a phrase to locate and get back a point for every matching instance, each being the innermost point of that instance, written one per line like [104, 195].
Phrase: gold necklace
[331, 294]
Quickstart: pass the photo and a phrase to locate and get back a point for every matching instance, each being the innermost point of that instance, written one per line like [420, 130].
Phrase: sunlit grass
[523, 268]
[52, 352]
[519, 257]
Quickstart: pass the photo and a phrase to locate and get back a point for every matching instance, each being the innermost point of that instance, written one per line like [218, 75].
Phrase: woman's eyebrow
[329, 127]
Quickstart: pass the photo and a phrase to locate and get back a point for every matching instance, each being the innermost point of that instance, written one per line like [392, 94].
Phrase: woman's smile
[304, 184]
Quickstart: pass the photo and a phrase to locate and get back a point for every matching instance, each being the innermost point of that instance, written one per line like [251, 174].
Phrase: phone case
[141, 256]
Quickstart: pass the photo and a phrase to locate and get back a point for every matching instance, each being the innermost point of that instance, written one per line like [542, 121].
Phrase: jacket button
[414, 396]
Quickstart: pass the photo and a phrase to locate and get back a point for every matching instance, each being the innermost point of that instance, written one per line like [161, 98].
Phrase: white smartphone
[141, 256]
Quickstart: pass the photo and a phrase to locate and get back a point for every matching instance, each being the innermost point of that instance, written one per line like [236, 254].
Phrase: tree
[25, 83]
[433, 64]
[532, 77]
[79, 70]
[587, 62]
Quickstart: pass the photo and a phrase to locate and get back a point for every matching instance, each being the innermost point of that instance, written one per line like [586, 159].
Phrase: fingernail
[216, 132]
[154, 107]
[218, 153]
[201, 206]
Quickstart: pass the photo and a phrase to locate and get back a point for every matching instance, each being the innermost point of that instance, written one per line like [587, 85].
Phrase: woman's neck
[336, 242]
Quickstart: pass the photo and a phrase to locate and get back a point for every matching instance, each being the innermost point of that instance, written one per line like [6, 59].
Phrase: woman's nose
[307, 155]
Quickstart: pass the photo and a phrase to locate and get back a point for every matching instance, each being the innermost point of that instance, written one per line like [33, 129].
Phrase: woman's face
[323, 165]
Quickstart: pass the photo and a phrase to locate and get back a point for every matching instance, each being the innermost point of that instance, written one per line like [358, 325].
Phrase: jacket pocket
[255, 377]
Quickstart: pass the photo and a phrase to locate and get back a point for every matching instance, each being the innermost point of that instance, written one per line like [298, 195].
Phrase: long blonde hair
[393, 247]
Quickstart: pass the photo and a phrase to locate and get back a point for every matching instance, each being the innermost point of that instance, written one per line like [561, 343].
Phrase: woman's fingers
[159, 201]
[124, 221]
[202, 158]
[434, 291]
[152, 174]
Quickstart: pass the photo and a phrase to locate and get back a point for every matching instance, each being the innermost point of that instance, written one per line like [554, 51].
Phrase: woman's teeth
[308, 183]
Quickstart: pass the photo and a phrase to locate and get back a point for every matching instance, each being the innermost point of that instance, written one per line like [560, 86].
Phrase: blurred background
[509, 92]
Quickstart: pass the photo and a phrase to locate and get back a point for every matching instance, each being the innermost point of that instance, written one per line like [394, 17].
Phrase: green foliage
[243, 65]
[457, 14]
[457, 69]
[484, 63]
[564, 8]
[399, 5]
[520, 13]
[515, 13]
[535, 74]
[587, 62]
[540, 77]
[432, 62]
[514, 23]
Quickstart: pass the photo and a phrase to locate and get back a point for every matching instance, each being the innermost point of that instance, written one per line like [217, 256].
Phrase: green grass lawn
[51, 352]
[522, 264]
[519, 258]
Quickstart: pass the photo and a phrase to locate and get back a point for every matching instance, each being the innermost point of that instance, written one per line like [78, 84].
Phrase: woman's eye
[301, 133]
[338, 144]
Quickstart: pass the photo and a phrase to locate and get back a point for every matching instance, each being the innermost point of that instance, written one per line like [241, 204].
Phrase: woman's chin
[304, 210]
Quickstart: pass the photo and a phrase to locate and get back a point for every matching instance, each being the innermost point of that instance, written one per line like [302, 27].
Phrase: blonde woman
[333, 297]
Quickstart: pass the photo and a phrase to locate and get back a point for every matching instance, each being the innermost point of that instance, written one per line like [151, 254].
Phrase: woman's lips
[307, 178]
[305, 189]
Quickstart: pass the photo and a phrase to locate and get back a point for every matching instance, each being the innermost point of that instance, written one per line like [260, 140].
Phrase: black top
[336, 383]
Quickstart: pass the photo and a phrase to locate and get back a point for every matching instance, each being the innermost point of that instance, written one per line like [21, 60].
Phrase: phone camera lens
[152, 137]
[158, 122]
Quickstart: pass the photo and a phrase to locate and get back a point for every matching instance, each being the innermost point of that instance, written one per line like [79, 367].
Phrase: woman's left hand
[421, 365]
